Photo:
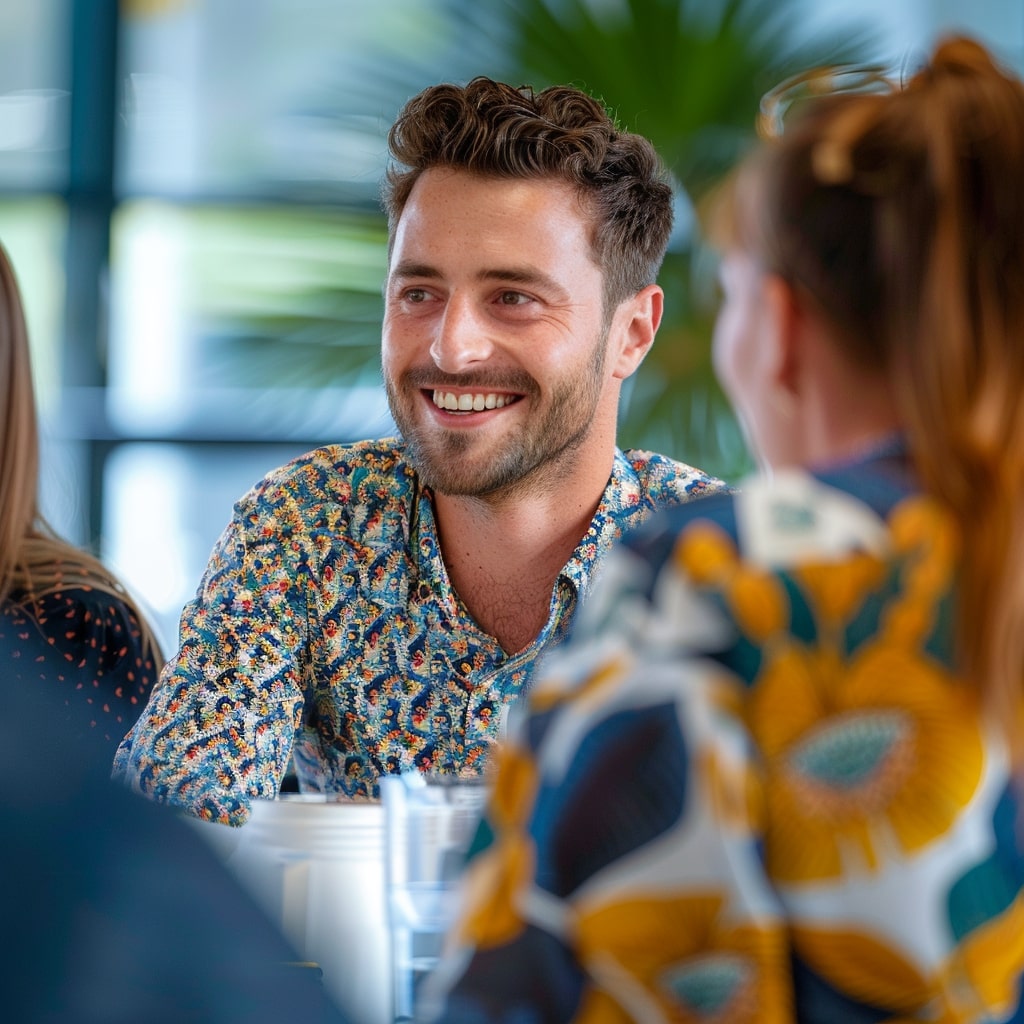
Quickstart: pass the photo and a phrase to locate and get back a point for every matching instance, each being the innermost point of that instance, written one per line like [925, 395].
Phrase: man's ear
[634, 325]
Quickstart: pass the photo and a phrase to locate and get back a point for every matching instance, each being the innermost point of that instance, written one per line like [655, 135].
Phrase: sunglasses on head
[777, 103]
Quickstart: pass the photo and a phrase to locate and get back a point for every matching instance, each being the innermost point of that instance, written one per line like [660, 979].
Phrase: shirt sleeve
[218, 729]
[616, 875]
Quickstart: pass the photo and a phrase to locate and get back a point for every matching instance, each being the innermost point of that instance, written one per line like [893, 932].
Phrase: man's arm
[218, 729]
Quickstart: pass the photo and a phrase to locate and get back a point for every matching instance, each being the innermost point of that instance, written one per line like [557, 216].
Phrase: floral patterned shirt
[752, 786]
[326, 628]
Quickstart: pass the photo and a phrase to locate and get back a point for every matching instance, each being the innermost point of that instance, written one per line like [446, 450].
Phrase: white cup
[317, 867]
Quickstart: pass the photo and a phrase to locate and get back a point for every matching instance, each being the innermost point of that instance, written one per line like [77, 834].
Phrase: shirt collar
[623, 504]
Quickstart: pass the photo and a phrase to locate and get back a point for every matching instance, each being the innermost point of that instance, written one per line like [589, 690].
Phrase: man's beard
[443, 457]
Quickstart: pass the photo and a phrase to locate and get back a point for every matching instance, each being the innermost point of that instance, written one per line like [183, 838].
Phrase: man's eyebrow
[528, 276]
[520, 275]
[408, 268]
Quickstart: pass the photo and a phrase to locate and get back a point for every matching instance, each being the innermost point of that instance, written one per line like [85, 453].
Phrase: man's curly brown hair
[492, 129]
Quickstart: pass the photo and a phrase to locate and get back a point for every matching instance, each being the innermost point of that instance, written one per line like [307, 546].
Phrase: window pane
[32, 231]
[165, 507]
[34, 84]
[258, 98]
[246, 322]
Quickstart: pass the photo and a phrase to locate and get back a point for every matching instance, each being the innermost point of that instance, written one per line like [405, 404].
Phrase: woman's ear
[634, 326]
[784, 337]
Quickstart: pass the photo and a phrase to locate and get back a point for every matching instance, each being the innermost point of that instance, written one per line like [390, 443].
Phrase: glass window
[235, 322]
[166, 506]
[34, 95]
[266, 97]
[32, 230]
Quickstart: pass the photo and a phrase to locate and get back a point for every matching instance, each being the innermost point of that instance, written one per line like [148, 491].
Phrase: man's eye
[514, 299]
[415, 295]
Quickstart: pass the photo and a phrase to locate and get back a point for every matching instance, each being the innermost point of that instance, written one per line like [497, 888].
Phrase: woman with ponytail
[775, 775]
[68, 629]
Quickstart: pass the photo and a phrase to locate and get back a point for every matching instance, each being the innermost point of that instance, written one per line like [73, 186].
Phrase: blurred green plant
[286, 297]
[688, 74]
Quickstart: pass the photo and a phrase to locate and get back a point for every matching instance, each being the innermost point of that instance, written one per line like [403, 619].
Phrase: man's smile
[471, 401]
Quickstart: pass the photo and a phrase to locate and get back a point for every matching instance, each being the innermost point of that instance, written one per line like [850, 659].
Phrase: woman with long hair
[775, 774]
[67, 625]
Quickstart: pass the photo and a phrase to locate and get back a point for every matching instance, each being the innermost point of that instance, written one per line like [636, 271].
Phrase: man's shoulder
[667, 481]
[360, 470]
[336, 487]
[655, 538]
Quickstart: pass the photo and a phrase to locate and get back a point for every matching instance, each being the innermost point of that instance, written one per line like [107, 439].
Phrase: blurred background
[188, 190]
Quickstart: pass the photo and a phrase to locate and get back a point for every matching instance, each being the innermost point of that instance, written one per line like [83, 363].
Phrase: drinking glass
[429, 824]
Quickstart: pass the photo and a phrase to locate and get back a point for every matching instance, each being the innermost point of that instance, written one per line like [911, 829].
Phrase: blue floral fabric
[326, 628]
[753, 787]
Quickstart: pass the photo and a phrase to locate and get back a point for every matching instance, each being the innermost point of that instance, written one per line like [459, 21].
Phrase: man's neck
[503, 557]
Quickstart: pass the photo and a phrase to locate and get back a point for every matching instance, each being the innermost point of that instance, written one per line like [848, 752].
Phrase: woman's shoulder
[86, 651]
[789, 518]
[69, 612]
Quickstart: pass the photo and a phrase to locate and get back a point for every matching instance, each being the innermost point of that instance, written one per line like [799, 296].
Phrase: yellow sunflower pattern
[831, 760]
[868, 745]
[979, 981]
[716, 970]
[986, 968]
[496, 880]
[862, 745]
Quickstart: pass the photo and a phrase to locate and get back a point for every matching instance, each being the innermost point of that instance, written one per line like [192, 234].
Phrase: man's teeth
[471, 403]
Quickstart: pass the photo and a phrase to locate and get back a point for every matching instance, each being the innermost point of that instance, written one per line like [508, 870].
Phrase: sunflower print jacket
[752, 787]
[326, 635]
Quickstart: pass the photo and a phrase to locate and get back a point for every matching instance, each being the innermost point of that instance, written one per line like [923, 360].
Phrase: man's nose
[462, 337]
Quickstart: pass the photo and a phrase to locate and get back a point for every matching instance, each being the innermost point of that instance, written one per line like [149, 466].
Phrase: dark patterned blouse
[82, 649]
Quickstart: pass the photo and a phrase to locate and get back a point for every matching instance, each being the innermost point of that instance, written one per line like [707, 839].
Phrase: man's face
[494, 342]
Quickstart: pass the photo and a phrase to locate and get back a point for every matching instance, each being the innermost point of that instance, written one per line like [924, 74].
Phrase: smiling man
[376, 607]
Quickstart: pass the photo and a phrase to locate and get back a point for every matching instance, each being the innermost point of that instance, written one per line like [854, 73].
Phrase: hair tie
[832, 159]
[831, 163]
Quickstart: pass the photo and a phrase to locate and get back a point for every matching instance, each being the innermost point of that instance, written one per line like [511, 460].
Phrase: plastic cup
[430, 822]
